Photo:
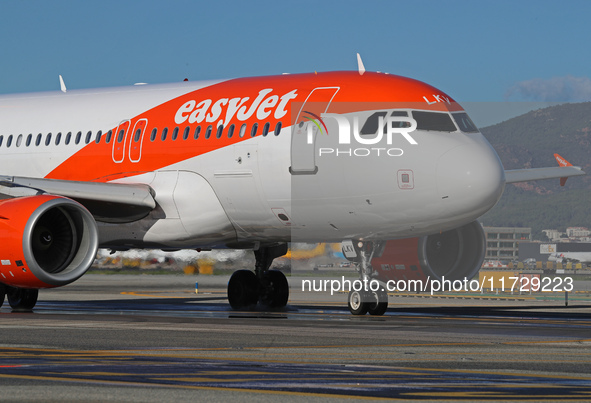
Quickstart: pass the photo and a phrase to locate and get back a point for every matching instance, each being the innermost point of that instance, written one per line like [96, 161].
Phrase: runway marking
[303, 371]
[140, 294]
[186, 368]
[19, 352]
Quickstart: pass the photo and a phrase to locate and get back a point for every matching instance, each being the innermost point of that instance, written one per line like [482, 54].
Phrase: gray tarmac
[147, 338]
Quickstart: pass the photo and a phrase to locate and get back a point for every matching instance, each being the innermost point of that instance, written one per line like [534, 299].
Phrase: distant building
[541, 251]
[577, 232]
[572, 234]
[502, 243]
[552, 234]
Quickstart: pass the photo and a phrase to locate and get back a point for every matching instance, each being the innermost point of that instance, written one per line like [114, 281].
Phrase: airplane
[563, 257]
[389, 166]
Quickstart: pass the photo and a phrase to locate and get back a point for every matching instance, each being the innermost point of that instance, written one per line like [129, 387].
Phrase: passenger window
[107, 140]
[197, 131]
[88, 137]
[9, 141]
[186, 133]
[1, 139]
[19, 140]
[119, 136]
[164, 133]
[219, 132]
[78, 137]
[208, 132]
[266, 129]
[58, 138]
[136, 138]
[48, 139]
[277, 128]
[37, 141]
[465, 123]
[253, 131]
[231, 131]
[98, 136]
[29, 139]
[434, 121]
[175, 133]
[242, 130]
[154, 134]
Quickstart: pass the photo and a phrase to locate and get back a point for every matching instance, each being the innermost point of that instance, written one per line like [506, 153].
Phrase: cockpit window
[372, 122]
[465, 123]
[398, 124]
[435, 121]
[431, 121]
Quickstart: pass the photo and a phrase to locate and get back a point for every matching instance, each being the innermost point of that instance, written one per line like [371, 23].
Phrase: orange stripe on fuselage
[368, 92]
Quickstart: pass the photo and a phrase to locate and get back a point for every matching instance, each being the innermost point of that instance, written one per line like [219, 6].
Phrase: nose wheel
[365, 301]
[358, 304]
[372, 302]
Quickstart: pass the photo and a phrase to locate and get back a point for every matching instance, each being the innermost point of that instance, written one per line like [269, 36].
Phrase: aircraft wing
[107, 202]
[534, 174]
[564, 171]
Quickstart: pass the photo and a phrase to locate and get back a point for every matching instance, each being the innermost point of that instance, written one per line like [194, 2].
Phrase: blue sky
[476, 51]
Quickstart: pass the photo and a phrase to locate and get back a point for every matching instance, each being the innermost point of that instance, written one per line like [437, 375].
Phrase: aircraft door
[119, 141]
[136, 140]
[306, 127]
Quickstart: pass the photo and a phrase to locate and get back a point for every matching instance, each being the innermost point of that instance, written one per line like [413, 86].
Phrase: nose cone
[470, 180]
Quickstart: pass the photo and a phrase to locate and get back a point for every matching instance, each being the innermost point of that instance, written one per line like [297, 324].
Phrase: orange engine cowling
[45, 241]
[455, 254]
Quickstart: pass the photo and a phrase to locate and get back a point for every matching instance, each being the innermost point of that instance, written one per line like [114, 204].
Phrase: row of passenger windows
[77, 138]
[58, 138]
[219, 132]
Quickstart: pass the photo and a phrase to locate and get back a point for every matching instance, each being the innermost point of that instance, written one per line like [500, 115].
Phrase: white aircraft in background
[563, 257]
[392, 167]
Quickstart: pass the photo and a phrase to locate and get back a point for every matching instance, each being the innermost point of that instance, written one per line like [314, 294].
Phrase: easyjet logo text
[225, 109]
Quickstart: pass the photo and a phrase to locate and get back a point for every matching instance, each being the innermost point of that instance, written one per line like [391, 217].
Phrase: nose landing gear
[367, 299]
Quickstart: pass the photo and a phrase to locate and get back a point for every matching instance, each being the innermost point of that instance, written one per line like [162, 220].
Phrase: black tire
[277, 292]
[22, 299]
[243, 289]
[378, 303]
[357, 303]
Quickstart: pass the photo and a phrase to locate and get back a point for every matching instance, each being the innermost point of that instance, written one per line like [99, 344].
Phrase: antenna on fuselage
[62, 84]
[360, 65]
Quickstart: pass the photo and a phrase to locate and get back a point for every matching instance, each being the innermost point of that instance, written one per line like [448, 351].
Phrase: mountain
[530, 141]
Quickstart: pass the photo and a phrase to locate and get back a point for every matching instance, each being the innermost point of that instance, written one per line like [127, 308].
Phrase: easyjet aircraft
[390, 166]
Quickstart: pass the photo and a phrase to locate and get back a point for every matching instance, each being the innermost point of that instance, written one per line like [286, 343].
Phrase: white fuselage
[239, 191]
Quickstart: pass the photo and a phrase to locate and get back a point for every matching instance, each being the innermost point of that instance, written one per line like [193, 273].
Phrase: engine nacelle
[45, 241]
[455, 254]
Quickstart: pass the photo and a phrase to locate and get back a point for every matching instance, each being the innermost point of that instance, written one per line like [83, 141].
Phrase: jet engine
[45, 241]
[455, 254]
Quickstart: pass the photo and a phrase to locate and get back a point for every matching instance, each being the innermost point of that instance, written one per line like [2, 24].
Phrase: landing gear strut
[367, 299]
[270, 287]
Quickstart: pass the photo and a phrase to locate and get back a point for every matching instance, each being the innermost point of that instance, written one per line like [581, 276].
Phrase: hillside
[530, 141]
